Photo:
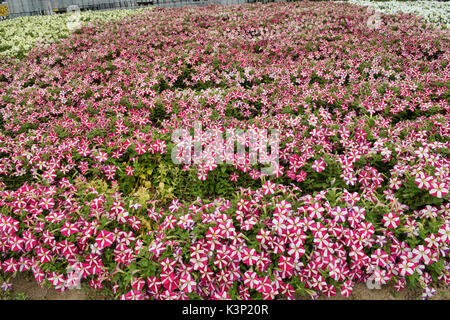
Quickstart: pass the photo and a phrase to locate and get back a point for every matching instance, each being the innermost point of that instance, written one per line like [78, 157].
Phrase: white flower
[436, 12]
[19, 35]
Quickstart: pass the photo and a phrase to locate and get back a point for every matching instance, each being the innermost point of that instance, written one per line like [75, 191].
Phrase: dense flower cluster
[360, 193]
[19, 35]
[436, 12]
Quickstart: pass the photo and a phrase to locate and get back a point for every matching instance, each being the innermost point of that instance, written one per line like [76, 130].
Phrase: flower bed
[89, 187]
[20, 35]
[436, 12]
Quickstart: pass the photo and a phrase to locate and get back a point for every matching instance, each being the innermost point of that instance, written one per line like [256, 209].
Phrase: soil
[386, 292]
[361, 292]
[27, 284]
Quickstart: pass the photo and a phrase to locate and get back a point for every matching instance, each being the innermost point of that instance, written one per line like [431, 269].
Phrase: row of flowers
[360, 192]
[20, 35]
[436, 12]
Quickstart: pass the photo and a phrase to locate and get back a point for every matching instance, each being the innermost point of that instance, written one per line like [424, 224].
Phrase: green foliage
[158, 113]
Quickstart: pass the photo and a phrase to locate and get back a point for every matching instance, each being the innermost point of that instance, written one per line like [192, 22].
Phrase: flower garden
[359, 193]
[18, 36]
[437, 12]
